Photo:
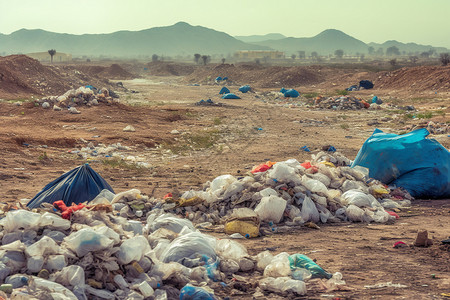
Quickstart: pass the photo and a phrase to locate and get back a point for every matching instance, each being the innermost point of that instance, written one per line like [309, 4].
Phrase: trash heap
[432, 127]
[342, 103]
[71, 99]
[98, 254]
[323, 190]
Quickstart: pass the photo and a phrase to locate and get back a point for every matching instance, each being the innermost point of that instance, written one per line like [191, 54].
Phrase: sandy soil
[36, 144]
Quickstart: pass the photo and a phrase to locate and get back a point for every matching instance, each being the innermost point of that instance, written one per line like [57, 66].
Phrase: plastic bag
[224, 90]
[86, 240]
[315, 186]
[192, 245]
[291, 93]
[54, 221]
[309, 211]
[263, 259]
[283, 285]
[354, 213]
[55, 263]
[303, 261]
[245, 88]
[133, 249]
[282, 172]
[411, 161]
[170, 222]
[45, 246]
[271, 208]
[279, 266]
[356, 197]
[20, 219]
[230, 249]
[230, 96]
[72, 275]
[189, 292]
[51, 287]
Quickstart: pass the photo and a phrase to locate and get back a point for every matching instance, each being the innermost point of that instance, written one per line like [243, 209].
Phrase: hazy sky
[420, 21]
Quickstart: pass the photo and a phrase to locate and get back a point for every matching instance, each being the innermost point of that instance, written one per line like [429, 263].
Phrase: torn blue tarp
[411, 161]
[76, 186]
[245, 88]
[224, 90]
[230, 96]
[291, 93]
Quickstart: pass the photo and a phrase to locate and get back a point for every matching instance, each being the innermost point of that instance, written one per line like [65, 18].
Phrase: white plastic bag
[20, 218]
[282, 172]
[191, 245]
[354, 213]
[133, 249]
[45, 246]
[271, 208]
[315, 186]
[54, 222]
[279, 266]
[309, 211]
[230, 249]
[283, 284]
[86, 240]
[356, 197]
[263, 260]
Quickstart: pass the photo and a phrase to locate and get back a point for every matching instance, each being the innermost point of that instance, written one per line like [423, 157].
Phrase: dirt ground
[186, 145]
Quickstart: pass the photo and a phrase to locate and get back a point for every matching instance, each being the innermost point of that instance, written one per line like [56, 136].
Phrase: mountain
[260, 38]
[324, 43]
[409, 48]
[178, 39]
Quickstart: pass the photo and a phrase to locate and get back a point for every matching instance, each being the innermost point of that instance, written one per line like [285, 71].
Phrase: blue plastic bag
[189, 292]
[283, 90]
[230, 96]
[76, 186]
[224, 90]
[291, 93]
[245, 88]
[411, 161]
[218, 78]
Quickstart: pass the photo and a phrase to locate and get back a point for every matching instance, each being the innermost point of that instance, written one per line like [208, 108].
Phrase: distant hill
[408, 48]
[324, 43]
[260, 38]
[178, 39]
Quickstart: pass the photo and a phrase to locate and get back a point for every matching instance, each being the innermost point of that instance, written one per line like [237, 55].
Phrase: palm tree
[52, 52]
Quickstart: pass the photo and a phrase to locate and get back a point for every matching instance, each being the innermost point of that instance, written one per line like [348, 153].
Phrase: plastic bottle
[146, 289]
[120, 281]
[17, 281]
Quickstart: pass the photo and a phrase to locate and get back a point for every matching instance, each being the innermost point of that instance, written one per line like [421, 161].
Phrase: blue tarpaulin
[366, 84]
[230, 96]
[76, 186]
[224, 90]
[245, 88]
[291, 93]
[411, 161]
[218, 78]
[283, 90]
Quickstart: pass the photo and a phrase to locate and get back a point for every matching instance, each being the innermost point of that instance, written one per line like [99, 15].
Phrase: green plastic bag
[302, 261]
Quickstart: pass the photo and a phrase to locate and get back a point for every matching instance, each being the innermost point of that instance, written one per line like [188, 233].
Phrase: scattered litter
[385, 284]
[399, 244]
[129, 128]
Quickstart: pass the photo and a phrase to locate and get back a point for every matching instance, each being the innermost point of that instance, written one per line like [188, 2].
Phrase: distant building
[44, 56]
[258, 54]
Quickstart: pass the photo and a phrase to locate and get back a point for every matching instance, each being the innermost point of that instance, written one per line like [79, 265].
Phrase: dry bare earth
[363, 253]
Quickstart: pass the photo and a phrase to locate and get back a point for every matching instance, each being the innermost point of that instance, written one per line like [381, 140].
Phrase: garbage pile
[432, 127]
[97, 254]
[324, 189]
[208, 102]
[82, 96]
[342, 103]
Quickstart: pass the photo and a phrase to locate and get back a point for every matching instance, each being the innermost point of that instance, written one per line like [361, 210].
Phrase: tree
[197, 57]
[206, 59]
[425, 54]
[293, 56]
[445, 58]
[223, 60]
[371, 50]
[301, 54]
[52, 52]
[393, 62]
[413, 59]
[339, 53]
[380, 52]
[155, 57]
[393, 50]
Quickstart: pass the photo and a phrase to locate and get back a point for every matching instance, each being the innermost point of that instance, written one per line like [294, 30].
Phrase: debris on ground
[71, 99]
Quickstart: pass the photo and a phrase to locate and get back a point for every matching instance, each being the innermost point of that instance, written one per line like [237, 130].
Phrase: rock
[45, 105]
[129, 128]
[422, 239]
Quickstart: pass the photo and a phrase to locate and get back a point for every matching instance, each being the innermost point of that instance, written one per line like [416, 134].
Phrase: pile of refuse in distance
[87, 96]
[323, 190]
[94, 253]
[344, 103]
